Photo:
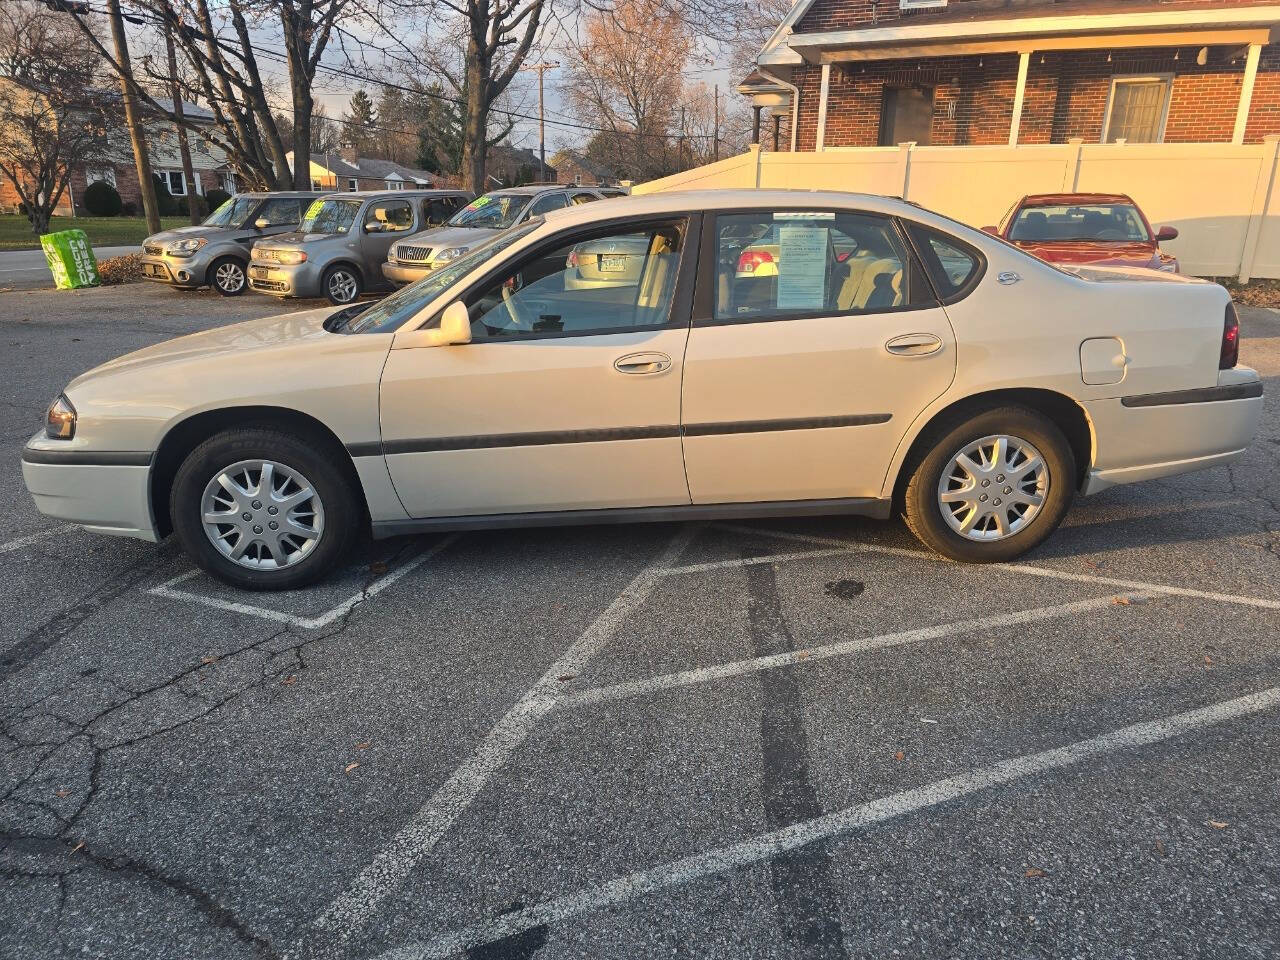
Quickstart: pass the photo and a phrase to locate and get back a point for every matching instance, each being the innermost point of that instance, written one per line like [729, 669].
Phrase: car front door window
[594, 284]
[547, 203]
[281, 212]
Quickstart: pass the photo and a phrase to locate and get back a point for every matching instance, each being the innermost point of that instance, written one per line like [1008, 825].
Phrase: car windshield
[389, 314]
[495, 211]
[233, 212]
[330, 216]
[1065, 223]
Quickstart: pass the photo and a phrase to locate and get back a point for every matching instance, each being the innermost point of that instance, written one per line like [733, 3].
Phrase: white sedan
[937, 370]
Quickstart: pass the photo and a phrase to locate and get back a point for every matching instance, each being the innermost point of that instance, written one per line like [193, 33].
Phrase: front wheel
[991, 487]
[263, 509]
[226, 275]
[341, 285]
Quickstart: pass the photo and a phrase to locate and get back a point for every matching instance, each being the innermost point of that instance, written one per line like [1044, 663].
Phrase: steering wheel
[518, 321]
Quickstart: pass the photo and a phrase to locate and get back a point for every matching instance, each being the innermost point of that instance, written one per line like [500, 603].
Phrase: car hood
[210, 233]
[296, 239]
[221, 341]
[445, 237]
[1119, 254]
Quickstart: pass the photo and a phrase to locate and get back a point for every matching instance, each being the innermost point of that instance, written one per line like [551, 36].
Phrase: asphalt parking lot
[785, 739]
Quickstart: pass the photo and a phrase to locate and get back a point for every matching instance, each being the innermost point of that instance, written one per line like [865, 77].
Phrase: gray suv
[414, 257]
[339, 249]
[216, 252]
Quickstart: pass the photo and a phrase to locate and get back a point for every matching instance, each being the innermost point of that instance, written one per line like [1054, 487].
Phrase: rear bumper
[1160, 435]
[105, 493]
[401, 274]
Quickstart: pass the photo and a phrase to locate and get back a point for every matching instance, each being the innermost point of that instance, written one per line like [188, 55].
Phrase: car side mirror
[994, 231]
[261, 223]
[1167, 233]
[373, 227]
[455, 328]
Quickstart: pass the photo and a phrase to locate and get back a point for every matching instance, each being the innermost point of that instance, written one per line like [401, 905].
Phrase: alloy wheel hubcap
[993, 487]
[230, 277]
[342, 286]
[262, 514]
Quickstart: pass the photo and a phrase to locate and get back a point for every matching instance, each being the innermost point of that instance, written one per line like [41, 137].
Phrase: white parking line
[350, 910]
[17, 544]
[167, 591]
[1049, 572]
[769, 845]
[635, 688]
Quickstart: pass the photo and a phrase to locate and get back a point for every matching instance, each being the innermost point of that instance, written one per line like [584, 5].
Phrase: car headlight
[290, 257]
[185, 248]
[450, 254]
[60, 421]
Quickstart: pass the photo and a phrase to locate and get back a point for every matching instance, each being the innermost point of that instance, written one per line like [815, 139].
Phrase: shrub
[129, 209]
[101, 199]
[216, 198]
[164, 199]
[125, 269]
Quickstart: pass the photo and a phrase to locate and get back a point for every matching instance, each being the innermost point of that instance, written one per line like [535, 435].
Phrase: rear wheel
[341, 284]
[263, 509]
[991, 487]
[227, 276]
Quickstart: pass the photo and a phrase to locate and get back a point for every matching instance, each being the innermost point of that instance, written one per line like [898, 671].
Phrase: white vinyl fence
[1220, 196]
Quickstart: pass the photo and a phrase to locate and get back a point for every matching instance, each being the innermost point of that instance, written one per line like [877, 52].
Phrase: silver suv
[343, 240]
[216, 252]
[414, 257]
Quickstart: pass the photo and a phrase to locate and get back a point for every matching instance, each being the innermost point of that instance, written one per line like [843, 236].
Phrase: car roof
[531, 189]
[284, 194]
[1066, 199]
[366, 194]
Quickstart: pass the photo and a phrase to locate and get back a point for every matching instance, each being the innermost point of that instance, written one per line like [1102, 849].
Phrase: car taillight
[751, 259]
[1230, 339]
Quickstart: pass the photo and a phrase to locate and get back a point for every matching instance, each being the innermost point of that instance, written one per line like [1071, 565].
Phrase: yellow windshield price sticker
[313, 211]
[478, 202]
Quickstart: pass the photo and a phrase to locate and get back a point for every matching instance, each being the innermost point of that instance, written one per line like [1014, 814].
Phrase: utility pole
[188, 172]
[141, 159]
[715, 145]
[542, 132]
[680, 158]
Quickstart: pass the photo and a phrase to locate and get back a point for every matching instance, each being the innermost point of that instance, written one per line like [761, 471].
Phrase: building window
[906, 115]
[229, 183]
[104, 175]
[175, 181]
[353, 184]
[395, 184]
[1137, 109]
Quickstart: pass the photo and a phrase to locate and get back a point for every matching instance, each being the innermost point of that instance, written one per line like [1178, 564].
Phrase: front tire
[227, 276]
[263, 509]
[992, 486]
[341, 285]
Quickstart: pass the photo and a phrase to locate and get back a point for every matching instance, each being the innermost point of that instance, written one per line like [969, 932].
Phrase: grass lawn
[15, 231]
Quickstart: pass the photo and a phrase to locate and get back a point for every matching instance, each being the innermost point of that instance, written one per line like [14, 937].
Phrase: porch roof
[1087, 26]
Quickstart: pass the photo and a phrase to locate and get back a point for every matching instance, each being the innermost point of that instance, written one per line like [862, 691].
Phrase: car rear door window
[603, 283]
[778, 264]
[440, 209]
[953, 266]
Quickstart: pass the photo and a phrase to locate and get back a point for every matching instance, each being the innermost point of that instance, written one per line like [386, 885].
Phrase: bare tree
[51, 118]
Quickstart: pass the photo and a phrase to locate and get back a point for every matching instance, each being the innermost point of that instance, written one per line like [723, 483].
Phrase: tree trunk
[475, 121]
[302, 106]
[141, 159]
[194, 210]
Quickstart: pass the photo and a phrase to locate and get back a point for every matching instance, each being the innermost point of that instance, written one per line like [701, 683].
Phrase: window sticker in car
[479, 202]
[313, 211]
[803, 215]
[802, 267]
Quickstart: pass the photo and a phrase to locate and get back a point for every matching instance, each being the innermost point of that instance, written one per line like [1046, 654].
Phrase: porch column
[1246, 92]
[755, 123]
[1024, 59]
[777, 126]
[822, 106]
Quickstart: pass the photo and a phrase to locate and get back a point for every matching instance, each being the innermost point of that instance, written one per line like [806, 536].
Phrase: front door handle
[914, 345]
[642, 363]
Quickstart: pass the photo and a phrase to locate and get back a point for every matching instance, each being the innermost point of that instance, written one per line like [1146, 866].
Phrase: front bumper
[401, 274]
[185, 272]
[285, 280]
[1142, 438]
[106, 492]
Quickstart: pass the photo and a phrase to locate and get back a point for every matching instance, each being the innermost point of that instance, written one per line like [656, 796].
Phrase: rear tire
[241, 508]
[341, 285]
[991, 486]
[227, 276]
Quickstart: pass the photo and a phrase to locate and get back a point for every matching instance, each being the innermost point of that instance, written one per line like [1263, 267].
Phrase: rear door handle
[914, 345]
[634, 363]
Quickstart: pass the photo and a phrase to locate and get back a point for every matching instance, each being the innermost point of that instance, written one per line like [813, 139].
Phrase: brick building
[208, 162]
[859, 73]
[572, 166]
[342, 170]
